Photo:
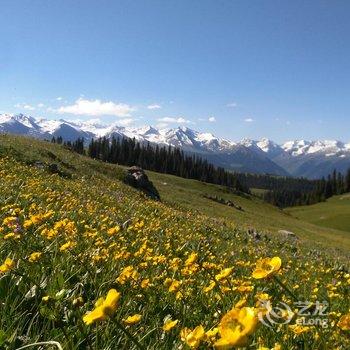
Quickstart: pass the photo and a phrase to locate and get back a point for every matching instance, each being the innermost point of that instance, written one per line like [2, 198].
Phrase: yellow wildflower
[128, 273]
[344, 322]
[169, 324]
[191, 259]
[224, 273]
[209, 287]
[114, 230]
[299, 329]
[103, 308]
[211, 334]
[175, 285]
[68, 245]
[145, 283]
[192, 338]
[267, 267]
[34, 256]
[132, 319]
[12, 235]
[235, 327]
[7, 265]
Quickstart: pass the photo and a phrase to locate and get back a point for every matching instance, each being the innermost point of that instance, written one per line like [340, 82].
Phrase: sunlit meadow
[90, 263]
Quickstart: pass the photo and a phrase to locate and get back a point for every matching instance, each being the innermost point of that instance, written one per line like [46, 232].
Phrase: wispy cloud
[25, 106]
[179, 120]
[212, 119]
[40, 105]
[154, 106]
[249, 120]
[232, 105]
[97, 108]
[59, 98]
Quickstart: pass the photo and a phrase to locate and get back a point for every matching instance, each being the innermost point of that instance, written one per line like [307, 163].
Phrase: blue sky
[277, 69]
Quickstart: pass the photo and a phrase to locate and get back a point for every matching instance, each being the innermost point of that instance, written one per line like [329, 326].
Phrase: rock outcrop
[137, 178]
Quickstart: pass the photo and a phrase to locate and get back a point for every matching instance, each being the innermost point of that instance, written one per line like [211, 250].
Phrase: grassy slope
[161, 244]
[186, 194]
[257, 214]
[335, 213]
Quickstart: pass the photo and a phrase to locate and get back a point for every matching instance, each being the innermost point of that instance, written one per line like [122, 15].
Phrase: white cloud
[174, 120]
[29, 107]
[26, 106]
[212, 119]
[59, 98]
[154, 106]
[40, 105]
[232, 105]
[249, 120]
[97, 108]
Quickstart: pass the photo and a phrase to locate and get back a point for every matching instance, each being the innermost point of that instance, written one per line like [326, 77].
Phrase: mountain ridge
[296, 157]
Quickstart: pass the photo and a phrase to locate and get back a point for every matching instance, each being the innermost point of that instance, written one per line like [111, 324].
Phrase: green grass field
[334, 213]
[256, 213]
[91, 263]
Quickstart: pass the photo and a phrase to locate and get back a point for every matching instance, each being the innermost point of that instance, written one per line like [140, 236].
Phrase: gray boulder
[288, 234]
[137, 178]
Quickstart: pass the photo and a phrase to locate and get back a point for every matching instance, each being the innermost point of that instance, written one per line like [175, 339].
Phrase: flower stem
[128, 334]
[289, 292]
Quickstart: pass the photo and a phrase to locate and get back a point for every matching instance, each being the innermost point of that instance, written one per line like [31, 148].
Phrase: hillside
[93, 264]
[256, 214]
[334, 213]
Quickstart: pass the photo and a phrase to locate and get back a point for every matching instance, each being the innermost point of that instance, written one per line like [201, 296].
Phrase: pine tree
[347, 181]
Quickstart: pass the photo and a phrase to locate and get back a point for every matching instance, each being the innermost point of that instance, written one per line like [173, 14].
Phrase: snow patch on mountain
[326, 147]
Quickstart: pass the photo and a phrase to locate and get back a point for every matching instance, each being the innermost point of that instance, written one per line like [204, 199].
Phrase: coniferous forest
[280, 191]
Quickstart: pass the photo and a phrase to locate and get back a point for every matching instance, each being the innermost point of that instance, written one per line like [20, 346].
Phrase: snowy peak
[267, 145]
[148, 130]
[26, 121]
[327, 147]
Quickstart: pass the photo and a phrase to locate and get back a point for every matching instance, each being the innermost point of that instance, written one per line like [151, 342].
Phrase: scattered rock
[288, 234]
[223, 201]
[53, 168]
[39, 165]
[254, 234]
[137, 178]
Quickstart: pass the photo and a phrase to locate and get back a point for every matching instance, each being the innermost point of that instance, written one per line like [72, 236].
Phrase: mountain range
[311, 159]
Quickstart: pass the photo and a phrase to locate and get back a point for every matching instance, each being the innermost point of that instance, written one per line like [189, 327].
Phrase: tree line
[281, 191]
[168, 160]
[335, 184]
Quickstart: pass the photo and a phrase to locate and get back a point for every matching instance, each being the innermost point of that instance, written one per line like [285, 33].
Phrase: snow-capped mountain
[311, 159]
[328, 147]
